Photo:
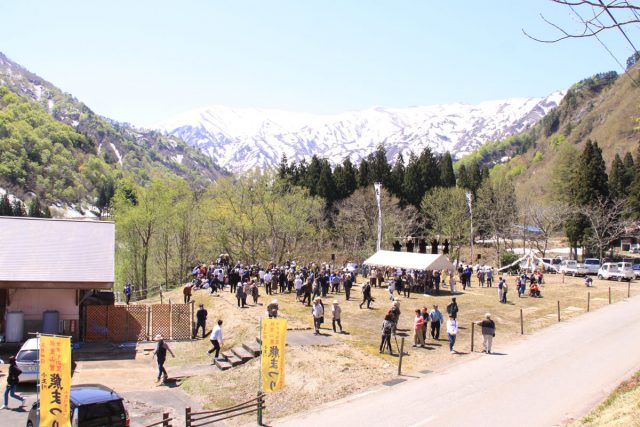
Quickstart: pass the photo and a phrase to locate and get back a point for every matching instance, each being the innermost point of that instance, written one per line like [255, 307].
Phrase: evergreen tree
[379, 169]
[326, 186]
[463, 177]
[447, 177]
[590, 181]
[312, 175]
[338, 178]
[35, 210]
[397, 177]
[629, 170]
[283, 168]
[413, 184]
[350, 177]
[617, 187]
[5, 206]
[364, 174]
[430, 171]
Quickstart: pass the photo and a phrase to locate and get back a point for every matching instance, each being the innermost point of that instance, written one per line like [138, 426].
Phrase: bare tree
[596, 16]
[607, 223]
[548, 219]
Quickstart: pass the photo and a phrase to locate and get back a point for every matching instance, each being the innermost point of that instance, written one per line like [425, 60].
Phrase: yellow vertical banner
[274, 337]
[55, 380]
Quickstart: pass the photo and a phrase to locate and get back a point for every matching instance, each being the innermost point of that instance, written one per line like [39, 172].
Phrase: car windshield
[27, 356]
[109, 413]
[591, 262]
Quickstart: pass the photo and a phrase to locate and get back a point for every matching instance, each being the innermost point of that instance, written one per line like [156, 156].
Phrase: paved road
[550, 377]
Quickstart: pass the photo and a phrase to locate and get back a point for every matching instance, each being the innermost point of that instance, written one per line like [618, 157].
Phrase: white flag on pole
[378, 188]
[468, 194]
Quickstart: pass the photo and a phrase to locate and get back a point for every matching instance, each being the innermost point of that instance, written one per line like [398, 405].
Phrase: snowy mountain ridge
[245, 138]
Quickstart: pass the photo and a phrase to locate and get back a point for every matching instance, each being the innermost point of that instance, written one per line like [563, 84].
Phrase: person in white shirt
[216, 339]
[298, 285]
[318, 314]
[452, 331]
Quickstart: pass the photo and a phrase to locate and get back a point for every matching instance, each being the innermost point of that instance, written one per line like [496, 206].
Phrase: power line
[618, 25]
[605, 47]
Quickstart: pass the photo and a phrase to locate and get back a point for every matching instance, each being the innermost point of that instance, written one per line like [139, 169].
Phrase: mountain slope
[241, 139]
[120, 145]
[603, 108]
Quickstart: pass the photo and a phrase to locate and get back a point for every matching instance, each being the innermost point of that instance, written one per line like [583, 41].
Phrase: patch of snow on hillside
[115, 150]
[178, 158]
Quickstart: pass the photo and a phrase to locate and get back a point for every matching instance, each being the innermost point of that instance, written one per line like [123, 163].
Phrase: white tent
[409, 261]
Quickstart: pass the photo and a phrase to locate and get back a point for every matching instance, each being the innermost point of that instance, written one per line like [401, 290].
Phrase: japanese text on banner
[274, 336]
[55, 381]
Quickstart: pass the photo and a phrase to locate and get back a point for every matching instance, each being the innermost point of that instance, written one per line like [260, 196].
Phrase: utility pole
[470, 202]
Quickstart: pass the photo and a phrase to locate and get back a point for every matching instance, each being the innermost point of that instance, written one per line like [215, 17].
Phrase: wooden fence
[139, 322]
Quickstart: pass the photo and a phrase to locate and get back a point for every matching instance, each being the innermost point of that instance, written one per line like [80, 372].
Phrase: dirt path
[549, 378]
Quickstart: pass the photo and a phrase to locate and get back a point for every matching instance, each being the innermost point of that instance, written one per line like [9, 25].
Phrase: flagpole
[377, 187]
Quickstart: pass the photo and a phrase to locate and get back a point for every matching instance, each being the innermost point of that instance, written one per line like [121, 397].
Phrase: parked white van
[616, 270]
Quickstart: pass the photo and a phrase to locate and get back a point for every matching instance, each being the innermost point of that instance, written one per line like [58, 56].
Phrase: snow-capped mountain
[244, 138]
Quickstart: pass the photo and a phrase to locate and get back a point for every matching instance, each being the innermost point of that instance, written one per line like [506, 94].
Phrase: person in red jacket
[418, 324]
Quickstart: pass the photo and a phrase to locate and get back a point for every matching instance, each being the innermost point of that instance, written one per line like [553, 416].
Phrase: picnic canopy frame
[409, 261]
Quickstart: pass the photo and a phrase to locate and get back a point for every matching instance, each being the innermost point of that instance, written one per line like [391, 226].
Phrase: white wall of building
[34, 302]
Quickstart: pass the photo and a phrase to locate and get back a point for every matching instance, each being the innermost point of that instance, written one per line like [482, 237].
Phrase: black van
[92, 405]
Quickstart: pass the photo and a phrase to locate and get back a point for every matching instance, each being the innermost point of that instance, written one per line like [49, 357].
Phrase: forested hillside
[603, 108]
[57, 148]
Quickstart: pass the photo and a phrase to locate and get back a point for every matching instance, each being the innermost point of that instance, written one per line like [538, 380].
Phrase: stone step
[231, 358]
[253, 348]
[243, 354]
[222, 364]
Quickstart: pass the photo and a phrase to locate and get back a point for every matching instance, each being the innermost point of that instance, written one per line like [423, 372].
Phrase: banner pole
[260, 364]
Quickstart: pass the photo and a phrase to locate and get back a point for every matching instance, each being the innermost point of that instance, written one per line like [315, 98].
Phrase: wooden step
[231, 358]
[222, 364]
[253, 348]
[243, 354]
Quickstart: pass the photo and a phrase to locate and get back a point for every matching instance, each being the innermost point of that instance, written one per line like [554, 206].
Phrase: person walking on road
[336, 312]
[452, 331]
[13, 378]
[437, 319]
[160, 354]
[216, 339]
[418, 323]
[201, 321]
[488, 332]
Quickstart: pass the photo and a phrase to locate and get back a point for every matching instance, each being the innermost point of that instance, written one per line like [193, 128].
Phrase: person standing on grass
[500, 289]
[13, 379]
[418, 323]
[336, 312]
[452, 282]
[366, 294]
[452, 308]
[240, 295]
[452, 331]
[391, 288]
[436, 318]
[505, 288]
[425, 315]
[216, 339]
[348, 284]
[127, 292]
[160, 354]
[318, 315]
[186, 292]
[488, 332]
[201, 321]
[387, 328]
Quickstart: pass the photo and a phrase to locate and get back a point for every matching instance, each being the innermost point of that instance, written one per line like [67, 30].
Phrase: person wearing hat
[160, 354]
[336, 311]
[13, 378]
[272, 309]
[318, 315]
[240, 295]
[452, 308]
[488, 332]
[201, 321]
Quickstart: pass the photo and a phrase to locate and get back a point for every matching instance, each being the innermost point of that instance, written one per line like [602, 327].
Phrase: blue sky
[143, 61]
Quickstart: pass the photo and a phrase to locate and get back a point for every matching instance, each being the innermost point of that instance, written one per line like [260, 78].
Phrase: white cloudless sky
[143, 61]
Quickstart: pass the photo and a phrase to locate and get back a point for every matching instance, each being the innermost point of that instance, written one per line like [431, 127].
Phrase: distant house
[529, 229]
[51, 265]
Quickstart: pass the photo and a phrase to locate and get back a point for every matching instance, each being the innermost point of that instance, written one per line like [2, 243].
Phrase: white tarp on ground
[409, 261]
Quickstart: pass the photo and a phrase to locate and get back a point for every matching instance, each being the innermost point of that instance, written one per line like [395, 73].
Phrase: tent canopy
[409, 261]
